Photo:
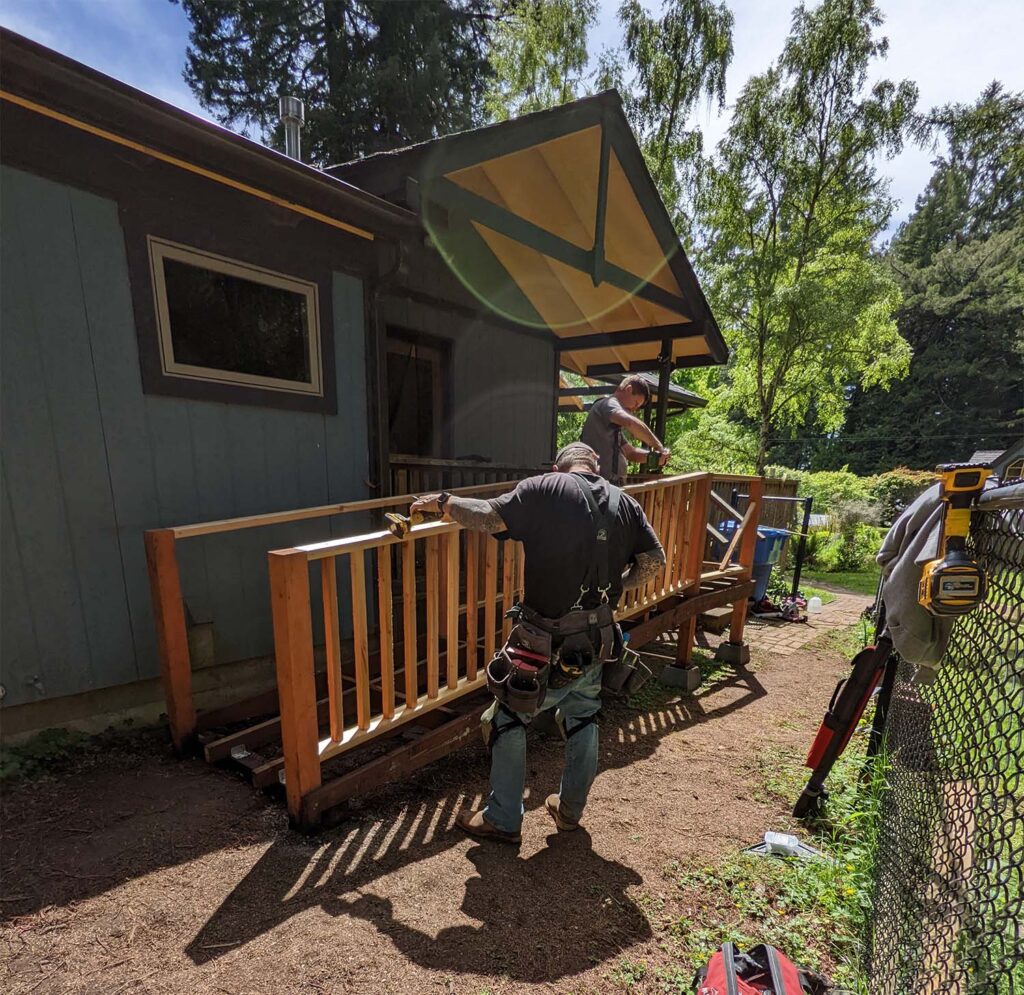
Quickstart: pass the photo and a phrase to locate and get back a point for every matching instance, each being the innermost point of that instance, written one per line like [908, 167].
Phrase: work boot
[554, 806]
[477, 826]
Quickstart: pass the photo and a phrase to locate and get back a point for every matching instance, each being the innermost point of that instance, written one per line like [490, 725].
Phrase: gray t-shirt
[605, 438]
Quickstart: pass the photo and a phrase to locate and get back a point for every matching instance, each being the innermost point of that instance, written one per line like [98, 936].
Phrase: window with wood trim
[224, 321]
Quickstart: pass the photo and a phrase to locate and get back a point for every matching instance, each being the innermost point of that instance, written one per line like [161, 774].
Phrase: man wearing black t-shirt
[551, 516]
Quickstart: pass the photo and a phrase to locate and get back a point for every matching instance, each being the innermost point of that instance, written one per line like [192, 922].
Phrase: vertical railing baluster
[433, 614]
[472, 610]
[507, 577]
[332, 647]
[386, 632]
[452, 601]
[360, 642]
[490, 596]
[409, 635]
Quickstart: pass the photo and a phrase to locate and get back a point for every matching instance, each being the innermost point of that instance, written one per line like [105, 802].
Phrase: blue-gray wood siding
[89, 461]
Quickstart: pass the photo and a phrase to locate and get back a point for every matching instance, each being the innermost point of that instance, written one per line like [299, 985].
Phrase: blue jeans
[575, 702]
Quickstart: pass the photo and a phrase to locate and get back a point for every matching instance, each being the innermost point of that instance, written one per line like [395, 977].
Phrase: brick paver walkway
[785, 637]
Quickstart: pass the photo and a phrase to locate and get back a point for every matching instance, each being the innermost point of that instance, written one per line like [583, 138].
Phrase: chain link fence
[948, 909]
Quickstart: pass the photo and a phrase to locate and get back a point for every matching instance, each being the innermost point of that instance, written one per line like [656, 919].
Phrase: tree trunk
[762, 447]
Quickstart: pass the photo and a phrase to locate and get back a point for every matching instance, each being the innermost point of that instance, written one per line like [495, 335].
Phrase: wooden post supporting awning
[561, 205]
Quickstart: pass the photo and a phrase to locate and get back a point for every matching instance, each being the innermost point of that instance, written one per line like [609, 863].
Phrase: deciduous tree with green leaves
[792, 205]
[676, 58]
[374, 74]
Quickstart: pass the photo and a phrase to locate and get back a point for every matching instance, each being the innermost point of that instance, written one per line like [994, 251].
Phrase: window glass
[224, 320]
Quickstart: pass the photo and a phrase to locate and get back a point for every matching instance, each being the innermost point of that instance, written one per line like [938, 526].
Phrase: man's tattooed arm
[474, 513]
[645, 568]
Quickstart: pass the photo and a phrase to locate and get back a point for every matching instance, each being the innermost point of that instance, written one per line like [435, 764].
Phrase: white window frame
[161, 249]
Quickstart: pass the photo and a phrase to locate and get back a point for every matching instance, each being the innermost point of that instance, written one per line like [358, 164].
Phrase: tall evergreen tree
[374, 74]
[959, 260]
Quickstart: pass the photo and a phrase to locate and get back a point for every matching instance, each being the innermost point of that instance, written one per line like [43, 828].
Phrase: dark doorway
[418, 373]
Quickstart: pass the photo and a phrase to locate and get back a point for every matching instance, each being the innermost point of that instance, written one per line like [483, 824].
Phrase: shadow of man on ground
[543, 918]
[557, 898]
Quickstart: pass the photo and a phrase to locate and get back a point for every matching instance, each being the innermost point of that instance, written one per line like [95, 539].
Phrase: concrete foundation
[735, 654]
[686, 678]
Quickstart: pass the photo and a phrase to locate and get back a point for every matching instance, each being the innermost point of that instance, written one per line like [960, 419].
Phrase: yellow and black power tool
[401, 525]
[954, 584]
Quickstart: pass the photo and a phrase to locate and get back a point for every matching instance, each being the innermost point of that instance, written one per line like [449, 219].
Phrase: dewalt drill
[954, 584]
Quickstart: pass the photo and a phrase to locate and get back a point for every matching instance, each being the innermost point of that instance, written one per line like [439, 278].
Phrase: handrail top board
[370, 504]
[320, 511]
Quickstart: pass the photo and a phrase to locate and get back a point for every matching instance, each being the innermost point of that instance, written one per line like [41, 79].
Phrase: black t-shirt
[552, 519]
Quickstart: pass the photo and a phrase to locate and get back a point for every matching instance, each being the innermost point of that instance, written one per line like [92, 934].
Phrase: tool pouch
[519, 673]
[625, 675]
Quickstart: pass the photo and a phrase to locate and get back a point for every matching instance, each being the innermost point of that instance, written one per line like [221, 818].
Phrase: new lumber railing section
[169, 605]
[409, 624]
[425, 659]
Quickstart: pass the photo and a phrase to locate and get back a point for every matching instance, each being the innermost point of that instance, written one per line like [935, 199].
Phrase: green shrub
[850, 551]
[895, 490]
[826, 486]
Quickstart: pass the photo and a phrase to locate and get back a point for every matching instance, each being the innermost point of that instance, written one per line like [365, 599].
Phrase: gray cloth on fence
[919, 636]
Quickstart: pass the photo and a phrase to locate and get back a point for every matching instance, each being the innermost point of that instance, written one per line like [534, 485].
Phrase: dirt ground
[142, 874]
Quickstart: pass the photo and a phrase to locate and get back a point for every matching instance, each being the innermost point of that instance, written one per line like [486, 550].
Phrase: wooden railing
[169, 605]
[428, 615]
[420, 474]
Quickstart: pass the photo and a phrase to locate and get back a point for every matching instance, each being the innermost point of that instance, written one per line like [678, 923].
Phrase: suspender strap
[598, 572]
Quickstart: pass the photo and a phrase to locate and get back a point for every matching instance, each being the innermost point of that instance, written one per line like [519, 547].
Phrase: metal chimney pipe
[293, 114]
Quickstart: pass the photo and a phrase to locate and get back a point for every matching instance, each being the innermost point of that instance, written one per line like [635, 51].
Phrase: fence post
[171, 636]
[802, 545]
[735, 651]
[296, 689]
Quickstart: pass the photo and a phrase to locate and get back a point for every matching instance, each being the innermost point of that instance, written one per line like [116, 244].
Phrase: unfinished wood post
[694, 530]
[171, 636]
[296, 686]
[747, 546]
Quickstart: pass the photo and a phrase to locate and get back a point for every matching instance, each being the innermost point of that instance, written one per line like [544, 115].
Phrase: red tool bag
[762, 970]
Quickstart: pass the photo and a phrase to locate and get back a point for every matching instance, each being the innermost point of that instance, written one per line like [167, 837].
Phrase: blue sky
[949, 47]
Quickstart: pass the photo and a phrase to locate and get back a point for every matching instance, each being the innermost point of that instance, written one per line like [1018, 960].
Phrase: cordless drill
[955, 584]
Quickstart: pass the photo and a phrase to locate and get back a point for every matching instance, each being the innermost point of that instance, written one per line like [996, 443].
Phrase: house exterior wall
[91, 458]
[90, 461]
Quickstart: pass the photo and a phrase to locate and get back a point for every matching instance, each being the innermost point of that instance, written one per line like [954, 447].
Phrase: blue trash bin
[770, 544]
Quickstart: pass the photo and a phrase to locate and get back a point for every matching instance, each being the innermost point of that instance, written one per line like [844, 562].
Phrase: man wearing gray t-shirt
[602, 430]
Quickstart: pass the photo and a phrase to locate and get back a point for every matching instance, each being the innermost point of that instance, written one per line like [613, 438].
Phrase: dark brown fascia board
[38, 74]
[631, 336]
[649, 366]
[635, 167]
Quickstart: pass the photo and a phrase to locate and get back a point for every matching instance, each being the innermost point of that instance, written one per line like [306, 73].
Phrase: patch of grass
[827, 597]
[51, 750]
[55, 751]
[847, 642]
[862, 581]
[629, 973]
[815, 911]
